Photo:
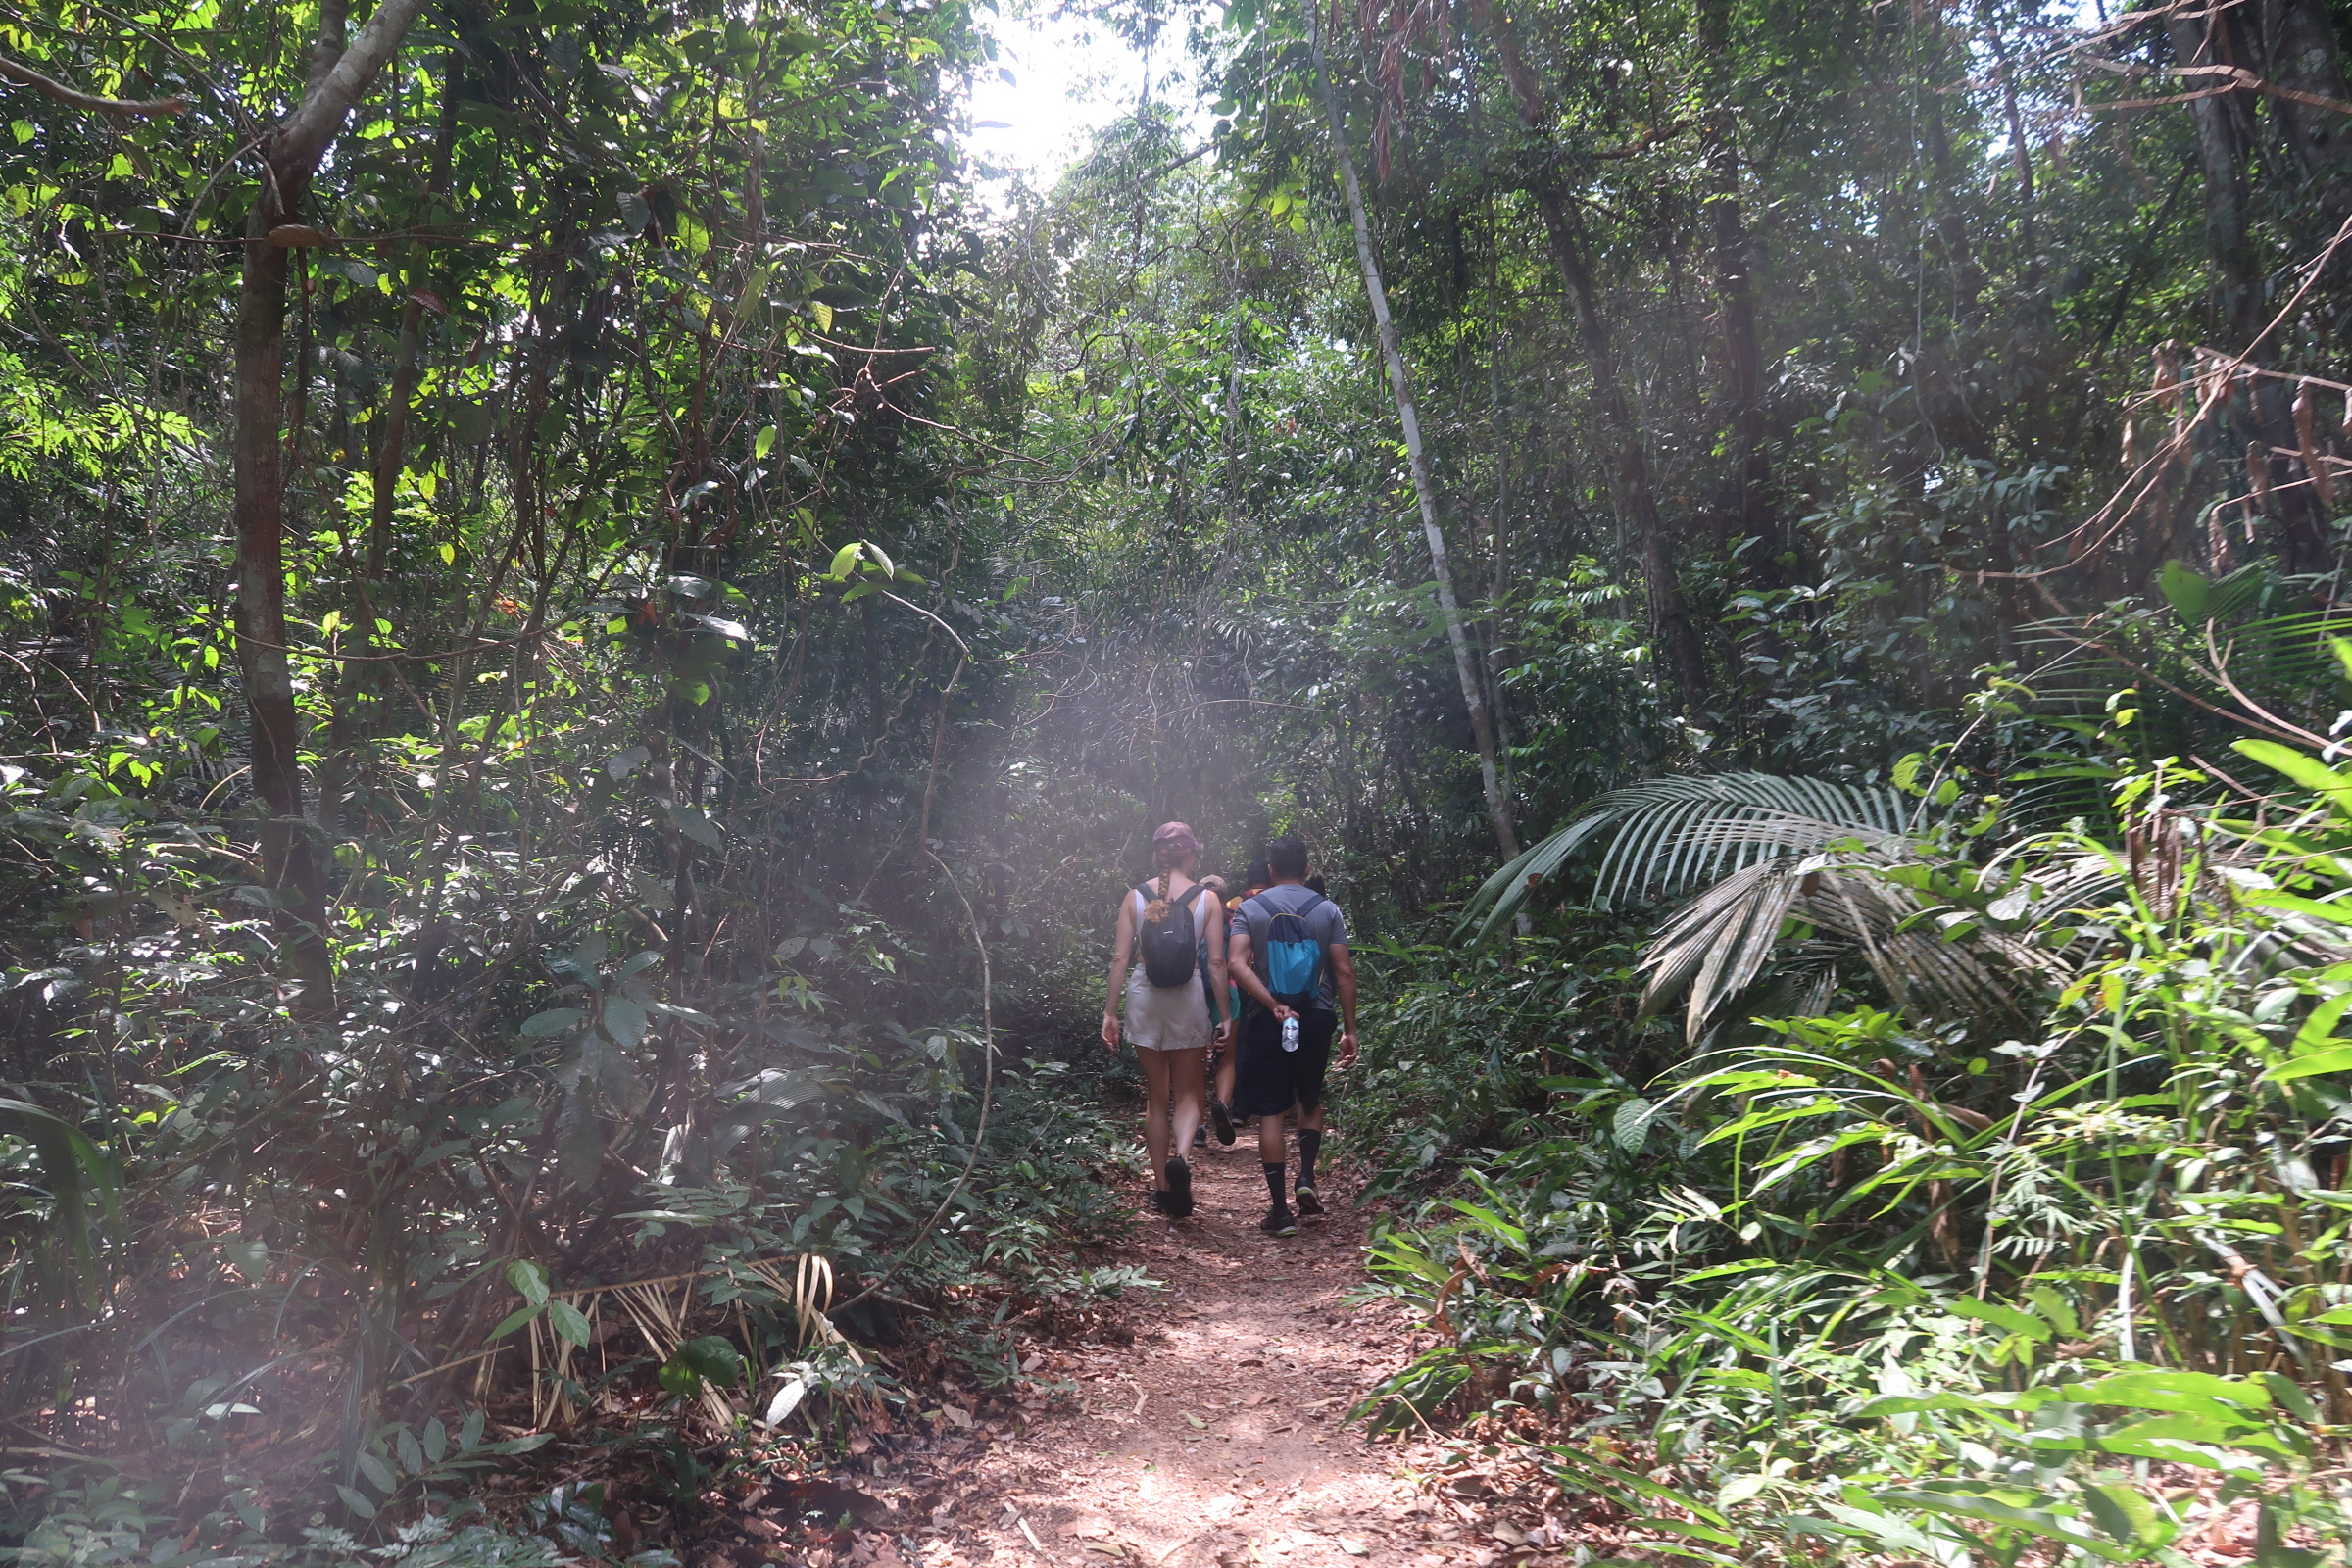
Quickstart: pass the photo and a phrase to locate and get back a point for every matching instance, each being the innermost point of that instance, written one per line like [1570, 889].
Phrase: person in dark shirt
[1283, 933]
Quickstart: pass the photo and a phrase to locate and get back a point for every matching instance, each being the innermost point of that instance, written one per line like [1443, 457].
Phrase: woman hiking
[1161, 925]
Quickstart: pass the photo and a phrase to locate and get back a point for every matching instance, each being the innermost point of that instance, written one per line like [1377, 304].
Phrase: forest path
[1215, 1438]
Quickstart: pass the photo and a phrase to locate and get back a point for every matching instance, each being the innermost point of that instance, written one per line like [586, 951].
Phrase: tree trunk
[2222, 155]
[1742, 357]
[1635, 498]
[2305, 57]
[1400, 384]
[2225, 146]
[293, 866]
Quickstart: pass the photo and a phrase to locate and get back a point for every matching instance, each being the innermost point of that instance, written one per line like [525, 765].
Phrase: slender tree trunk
[292, 864]
[1742, 357]
[1400, 384]
[1635, 498]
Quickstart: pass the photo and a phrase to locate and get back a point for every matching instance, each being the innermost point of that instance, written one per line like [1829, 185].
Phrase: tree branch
[302, 136]
[30, 78]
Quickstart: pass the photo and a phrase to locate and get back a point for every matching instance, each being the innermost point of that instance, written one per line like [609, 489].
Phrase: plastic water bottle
[1290, 1034]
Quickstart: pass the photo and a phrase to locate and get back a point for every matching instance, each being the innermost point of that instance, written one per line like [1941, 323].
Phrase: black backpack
[1169, 947]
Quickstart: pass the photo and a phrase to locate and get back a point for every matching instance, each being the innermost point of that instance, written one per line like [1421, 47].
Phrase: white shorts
[1166, 1018]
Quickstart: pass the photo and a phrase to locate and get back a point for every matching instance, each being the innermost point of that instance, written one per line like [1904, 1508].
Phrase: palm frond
[1668, 835]
[1718, 943]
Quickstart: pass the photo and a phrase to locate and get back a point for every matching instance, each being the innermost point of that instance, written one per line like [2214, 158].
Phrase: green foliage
[1901, 1286]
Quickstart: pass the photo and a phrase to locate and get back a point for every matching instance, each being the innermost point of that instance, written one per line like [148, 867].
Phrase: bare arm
[1122, 950]
[1245, 976]
[1342, 976]
[1220, 971]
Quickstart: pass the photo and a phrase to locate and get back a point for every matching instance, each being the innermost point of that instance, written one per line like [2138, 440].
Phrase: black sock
[1310, 1144]
[1274, 1180]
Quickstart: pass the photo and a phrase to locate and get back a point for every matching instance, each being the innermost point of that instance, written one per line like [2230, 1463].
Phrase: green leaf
[1631, 1128]
[696, 825]
[2004, 1506]
[554, 1021]
[763, 443]
[514, 1320]
[2191, 594]
[844, 559]
[568, 1321]
[2337, 1060]
[624, 1021]
[713, 1358]
[356, 1501]
[2128, 1516]
[2023, 1324]
[2309, 772]
[529, 1280]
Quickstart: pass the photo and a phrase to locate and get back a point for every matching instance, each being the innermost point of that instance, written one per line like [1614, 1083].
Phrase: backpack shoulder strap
[1147, 892]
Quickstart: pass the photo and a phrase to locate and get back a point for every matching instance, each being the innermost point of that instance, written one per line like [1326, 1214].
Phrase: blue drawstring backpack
[1294, 958]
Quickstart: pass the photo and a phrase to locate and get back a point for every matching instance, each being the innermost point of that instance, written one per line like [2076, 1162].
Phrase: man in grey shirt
[1274, 933]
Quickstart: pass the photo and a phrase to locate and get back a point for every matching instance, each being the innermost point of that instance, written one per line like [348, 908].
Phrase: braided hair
[1167, 857]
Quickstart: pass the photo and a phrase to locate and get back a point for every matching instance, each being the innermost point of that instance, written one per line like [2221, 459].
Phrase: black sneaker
[1200, 1138]
[1221, 1119]
[1279, 1221]
[1309, 1205]
[1180, 1189]
[1159, 1201]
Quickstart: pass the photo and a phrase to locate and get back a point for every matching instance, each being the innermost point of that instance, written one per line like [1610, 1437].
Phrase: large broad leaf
[73, 1167]
[2331, 786]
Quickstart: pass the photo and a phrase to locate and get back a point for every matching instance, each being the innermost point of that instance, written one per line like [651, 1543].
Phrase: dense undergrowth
[1891, 1277]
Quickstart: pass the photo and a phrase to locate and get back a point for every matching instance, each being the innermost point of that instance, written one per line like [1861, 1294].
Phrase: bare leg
[1228, 1068]
[1156, 1112]
[1184, 1073]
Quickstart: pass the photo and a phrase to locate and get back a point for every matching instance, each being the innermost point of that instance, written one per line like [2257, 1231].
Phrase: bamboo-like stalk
[1401, 387]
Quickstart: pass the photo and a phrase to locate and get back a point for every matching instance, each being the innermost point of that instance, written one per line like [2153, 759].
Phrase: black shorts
[1270, 1079]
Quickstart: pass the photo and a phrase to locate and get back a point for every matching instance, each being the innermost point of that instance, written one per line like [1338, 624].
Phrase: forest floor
[1213, 1439]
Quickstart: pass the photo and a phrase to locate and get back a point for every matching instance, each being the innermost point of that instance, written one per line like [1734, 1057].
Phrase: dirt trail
[1215, 1438]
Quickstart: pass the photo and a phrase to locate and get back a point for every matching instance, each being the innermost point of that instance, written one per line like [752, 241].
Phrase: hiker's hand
[1283, 1015]
[1347, 1048]
[1110, 1030]
[1224, 1035]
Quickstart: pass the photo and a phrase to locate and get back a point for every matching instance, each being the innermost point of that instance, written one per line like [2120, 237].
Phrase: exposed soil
[1215, 1438]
